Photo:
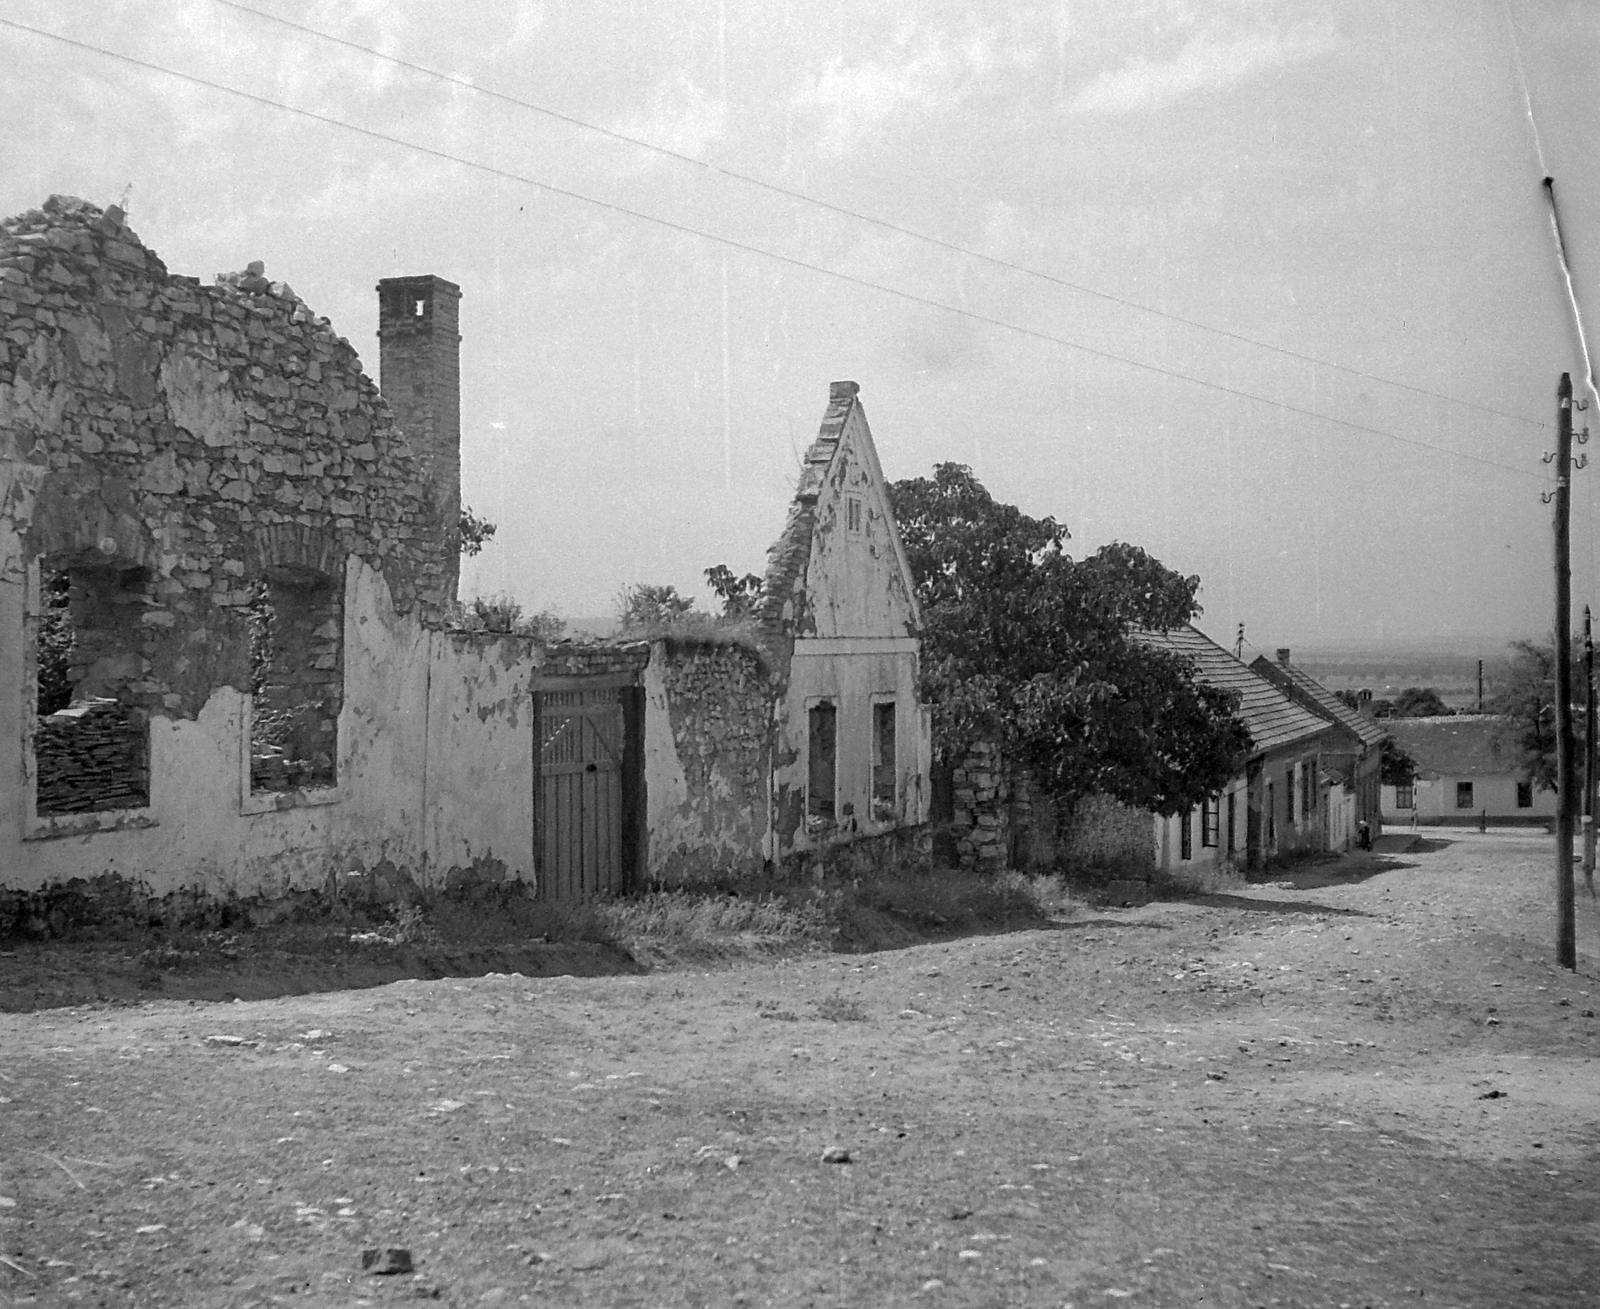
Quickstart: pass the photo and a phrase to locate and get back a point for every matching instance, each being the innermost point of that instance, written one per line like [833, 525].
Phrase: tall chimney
[419, 373]
[1283, 654]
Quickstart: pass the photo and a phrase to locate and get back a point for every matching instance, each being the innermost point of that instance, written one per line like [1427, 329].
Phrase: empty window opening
[883, 762]
[91, 738]
[296, 621]
[820, 754]
[1524, 795]
[419, 308]
[1463, 795]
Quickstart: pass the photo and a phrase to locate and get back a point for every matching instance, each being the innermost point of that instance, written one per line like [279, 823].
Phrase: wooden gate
[582, 739]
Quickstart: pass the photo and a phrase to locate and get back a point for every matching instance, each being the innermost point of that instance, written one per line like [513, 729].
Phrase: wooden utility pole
[1566, 780]
[1588, 748]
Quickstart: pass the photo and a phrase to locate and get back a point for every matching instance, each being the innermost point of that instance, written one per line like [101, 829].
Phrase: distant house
[1353, 763]
[1468, 767]
[1279, 803]
[839, 613]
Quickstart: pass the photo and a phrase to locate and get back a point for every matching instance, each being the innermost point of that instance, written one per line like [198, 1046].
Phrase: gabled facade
[839, 612]
[1279, 803]
[1354, 759]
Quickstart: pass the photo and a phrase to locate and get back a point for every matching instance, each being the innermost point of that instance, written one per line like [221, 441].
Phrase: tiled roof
[1272, 717]
[1476, 745]
[1325, 701]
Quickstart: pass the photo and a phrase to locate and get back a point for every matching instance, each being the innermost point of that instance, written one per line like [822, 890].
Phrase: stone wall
[202, 434]
[982, 812]
[709, 708]
[93, 756]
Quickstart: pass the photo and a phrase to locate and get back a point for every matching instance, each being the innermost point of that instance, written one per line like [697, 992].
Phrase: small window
[1463, 795]
[1288, 782]
[1209, 816]
[883, 762]
[1186, 835]
[1272, 817]
[296, 622]
[820, 750]
[91, 740]
[1233, 797]
[852, 511]
[1524, 795]
[1404, 797]
[1308, 796]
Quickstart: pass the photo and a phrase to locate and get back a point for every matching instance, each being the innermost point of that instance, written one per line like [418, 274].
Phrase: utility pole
[1588, 749]
[1480, 686]
[1566, 782]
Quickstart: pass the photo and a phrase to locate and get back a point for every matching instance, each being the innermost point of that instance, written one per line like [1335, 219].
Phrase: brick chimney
[419, 373]
[1283, 654]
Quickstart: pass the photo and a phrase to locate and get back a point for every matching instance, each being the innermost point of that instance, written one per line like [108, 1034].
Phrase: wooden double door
[589, 779]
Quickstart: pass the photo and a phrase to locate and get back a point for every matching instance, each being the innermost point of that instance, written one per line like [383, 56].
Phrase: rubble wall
[198, 438]
[708, 756]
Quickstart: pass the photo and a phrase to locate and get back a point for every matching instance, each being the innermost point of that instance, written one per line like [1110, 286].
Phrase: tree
[739, 595]
[642, 606]
[1420, 702]
[472, 532]
[1025, 646]
[1528, 698]
[1395, 766]
[503, 613]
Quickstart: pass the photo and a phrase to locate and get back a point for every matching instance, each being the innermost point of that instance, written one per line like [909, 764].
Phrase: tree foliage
[1528, 698]
[739, 595]
[1027, 647]
[504, 613]
[642, 606]
[1420, 702]
[472, 532]
[1396, 767]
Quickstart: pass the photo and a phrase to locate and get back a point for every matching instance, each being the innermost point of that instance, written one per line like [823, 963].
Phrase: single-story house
[1469, 769]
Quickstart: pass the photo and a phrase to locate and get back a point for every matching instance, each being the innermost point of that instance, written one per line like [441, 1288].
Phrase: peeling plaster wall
[479, 808]
[206, 435]
[839, 606]
[708, 749]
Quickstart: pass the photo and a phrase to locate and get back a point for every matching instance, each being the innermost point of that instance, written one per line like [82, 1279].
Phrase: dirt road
[1363, 1086]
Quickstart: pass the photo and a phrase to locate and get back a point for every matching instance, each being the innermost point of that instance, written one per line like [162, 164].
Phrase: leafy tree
[642, 606]
[1420, 702]
[472, 532]
[1528, 697]
[1025, 646]
[739, 595]
[503, 613]
[1396, 767]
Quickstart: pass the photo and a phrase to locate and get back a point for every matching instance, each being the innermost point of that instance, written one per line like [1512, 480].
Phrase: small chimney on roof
[1283, 654]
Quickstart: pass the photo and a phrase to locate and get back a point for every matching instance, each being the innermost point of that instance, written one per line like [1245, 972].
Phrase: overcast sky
[1184, 238]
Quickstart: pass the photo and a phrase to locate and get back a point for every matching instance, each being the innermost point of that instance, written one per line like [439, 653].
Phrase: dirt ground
[1365, 1084]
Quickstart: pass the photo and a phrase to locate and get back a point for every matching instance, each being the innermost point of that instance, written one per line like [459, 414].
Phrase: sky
[1268, 289]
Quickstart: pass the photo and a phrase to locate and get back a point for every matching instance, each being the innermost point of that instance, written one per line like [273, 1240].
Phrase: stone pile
[92, 757]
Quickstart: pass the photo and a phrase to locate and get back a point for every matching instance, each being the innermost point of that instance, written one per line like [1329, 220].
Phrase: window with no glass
[821, 749]
[883, 761]
[91, 739]
[296, 619]
[1463, 795]
[1524, 795]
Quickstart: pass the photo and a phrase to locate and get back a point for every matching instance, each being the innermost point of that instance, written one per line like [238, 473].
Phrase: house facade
[1280, 802]
[230, 665]
[839, 613]
[1468, 770]
[1354, 758]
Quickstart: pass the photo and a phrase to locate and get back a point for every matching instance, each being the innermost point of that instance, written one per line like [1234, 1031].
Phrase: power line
[759, 252]
[881, 223]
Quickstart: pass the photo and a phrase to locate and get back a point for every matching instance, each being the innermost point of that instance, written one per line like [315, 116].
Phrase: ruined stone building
[227, 665]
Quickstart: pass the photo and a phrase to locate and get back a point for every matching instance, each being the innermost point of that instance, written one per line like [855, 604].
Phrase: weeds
[840, 1008]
